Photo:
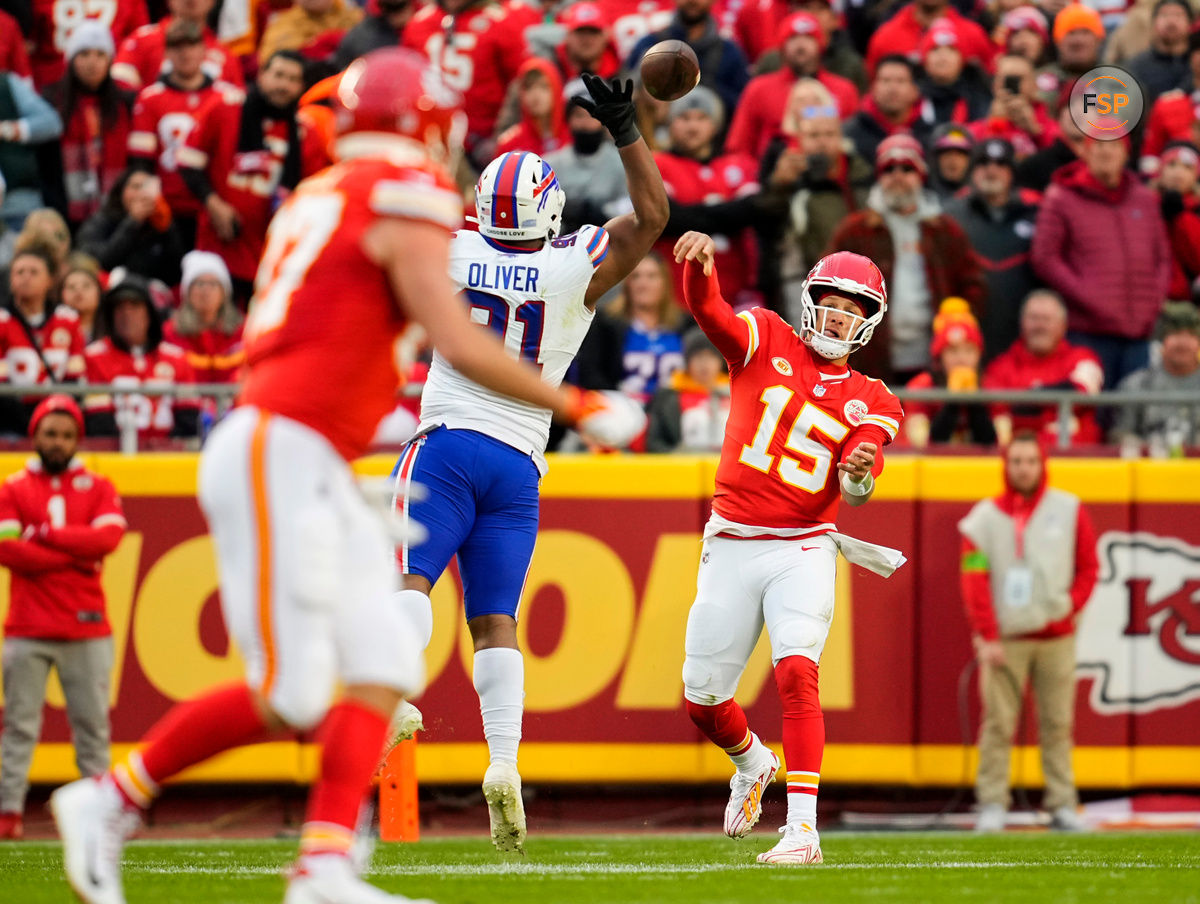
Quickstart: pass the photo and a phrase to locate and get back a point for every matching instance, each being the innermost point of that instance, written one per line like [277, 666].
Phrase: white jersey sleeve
[534, 299]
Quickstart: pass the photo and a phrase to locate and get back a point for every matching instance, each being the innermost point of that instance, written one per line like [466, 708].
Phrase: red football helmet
[851, 276]
[394, 91]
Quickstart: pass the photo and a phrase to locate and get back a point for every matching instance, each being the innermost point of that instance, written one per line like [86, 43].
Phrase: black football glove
[613, 107]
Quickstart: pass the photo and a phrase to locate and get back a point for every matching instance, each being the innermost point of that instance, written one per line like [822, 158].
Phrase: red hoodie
[902, 34]
[976, 582]
[527, 135]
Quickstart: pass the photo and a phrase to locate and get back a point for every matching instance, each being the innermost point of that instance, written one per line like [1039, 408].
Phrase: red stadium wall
[604, 615]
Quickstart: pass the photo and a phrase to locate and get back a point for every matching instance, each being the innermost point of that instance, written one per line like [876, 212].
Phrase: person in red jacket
[543, 125]
[1179, 202]
[168, 111]
[1042, 358]
[133, 353]
[903, 32]
[207, 325]
[1028, 568]
[1101, 243]
[588, 45]
[1175, 116]
[14, 57]
[55, 23]
[243, 159]
[696, 178]
[759, 113]
[478, 50]
[140, 57]
[57, 523]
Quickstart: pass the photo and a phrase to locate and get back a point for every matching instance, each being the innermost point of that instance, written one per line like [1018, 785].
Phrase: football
[670, 70]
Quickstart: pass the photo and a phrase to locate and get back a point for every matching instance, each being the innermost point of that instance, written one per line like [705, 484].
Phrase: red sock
[723, 724]
[351, 737]
[803, 730]
[189, 733]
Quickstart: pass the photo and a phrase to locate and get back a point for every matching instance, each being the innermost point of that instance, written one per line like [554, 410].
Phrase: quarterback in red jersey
[804, 432]
[307, 581]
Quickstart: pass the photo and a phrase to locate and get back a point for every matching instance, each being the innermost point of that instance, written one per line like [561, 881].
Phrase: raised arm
[734, 335]
[631, 235]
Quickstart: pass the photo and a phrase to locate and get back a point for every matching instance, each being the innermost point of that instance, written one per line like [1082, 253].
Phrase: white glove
[615, 423]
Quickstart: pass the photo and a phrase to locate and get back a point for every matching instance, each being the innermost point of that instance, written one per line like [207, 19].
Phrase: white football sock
[802, 808]
[755, 754]
[500, 682]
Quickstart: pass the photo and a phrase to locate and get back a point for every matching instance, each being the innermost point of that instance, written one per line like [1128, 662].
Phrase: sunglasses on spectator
[898, 167]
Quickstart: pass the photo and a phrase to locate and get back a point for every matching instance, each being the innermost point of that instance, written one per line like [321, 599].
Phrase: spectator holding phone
[134, 230]
[1016, 112]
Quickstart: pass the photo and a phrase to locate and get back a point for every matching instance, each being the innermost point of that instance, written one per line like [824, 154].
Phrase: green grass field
[1025, 867]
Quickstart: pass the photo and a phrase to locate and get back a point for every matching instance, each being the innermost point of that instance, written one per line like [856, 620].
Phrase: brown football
[670, 70]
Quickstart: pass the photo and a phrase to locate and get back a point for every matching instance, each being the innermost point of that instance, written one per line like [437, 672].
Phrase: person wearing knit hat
[1179, 202]
[90, 35]
[1078, 36]
[1165, 428]
[998, 219]
[923, 254]
[761, 108]
[1164, 65]
[207, 325]
[96, 120]
[953, 89]
[950, 158]
[58, 522]
[900, 153]
[701, 99]
[955, 352]
[1026, 34]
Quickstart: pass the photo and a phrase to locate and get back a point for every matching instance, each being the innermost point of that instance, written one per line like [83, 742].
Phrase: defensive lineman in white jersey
[479, 456]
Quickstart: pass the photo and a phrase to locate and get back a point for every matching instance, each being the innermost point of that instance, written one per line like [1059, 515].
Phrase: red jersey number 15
[791, 471]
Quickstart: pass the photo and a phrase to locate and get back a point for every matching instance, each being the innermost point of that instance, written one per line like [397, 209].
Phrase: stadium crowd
[145, 146]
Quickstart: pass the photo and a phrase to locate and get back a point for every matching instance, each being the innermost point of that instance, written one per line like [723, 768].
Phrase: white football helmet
[518, 197]
[852, 276]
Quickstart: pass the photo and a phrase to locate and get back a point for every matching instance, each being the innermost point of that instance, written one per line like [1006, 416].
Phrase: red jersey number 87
[298, 235]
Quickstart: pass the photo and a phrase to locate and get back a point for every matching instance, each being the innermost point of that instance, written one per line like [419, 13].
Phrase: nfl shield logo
[819, 390]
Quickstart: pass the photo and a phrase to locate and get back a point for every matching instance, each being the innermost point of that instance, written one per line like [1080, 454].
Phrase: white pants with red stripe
[306, 569]
[742, 586]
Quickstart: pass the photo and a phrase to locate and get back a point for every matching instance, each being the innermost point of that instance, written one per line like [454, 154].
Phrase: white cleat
[991, 818]
[800, 844]
[406, 722]
[94, 824]
[1067, 819]
[746, 791]
[330, 879]
[506, 809]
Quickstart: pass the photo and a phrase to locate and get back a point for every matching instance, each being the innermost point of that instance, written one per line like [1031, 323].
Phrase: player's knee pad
[319, 536]
[301, 705]
[797, 680]
[800, 635]
[417, 609]
[704, 682]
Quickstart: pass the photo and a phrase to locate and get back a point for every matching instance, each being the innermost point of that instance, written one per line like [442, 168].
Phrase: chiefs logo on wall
[1139, 636]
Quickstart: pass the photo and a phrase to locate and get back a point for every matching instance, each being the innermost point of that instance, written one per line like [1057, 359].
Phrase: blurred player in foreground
[770, 546]
[479, 456]
[307, 586]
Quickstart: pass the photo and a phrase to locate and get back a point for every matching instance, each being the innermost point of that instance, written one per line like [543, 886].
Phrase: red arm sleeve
[867, 433]
[32, 558]
[1087, 566]
[730, 333]
[975, 583]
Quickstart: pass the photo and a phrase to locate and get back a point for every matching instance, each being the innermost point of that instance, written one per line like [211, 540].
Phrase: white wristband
[858, 487]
